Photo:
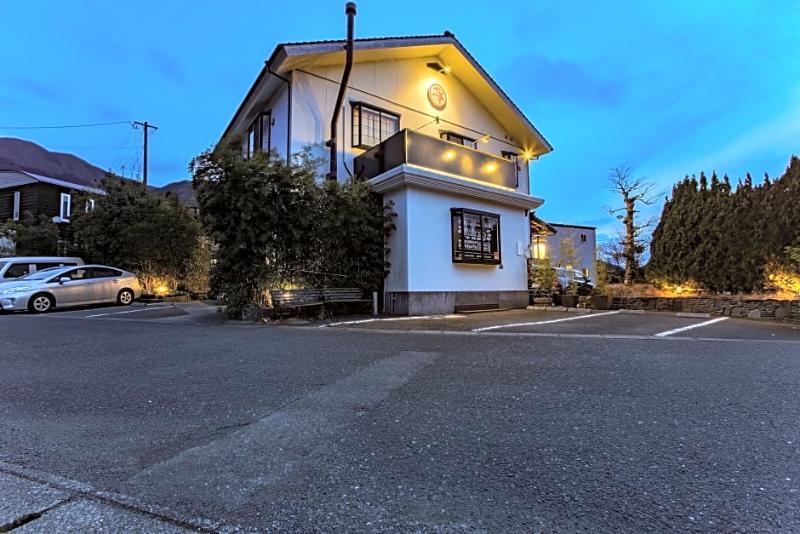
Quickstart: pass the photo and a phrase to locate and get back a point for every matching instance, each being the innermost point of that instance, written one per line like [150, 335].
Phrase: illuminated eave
[423, 178]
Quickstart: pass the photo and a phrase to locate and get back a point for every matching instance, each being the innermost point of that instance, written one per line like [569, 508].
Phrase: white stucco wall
[399, 86]
[279, 105]
[397, 278]
[424, 224]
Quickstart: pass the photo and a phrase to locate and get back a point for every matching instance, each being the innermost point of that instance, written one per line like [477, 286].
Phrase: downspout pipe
[350, 11]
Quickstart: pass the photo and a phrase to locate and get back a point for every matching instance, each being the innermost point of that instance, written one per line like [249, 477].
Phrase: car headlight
[18, 289]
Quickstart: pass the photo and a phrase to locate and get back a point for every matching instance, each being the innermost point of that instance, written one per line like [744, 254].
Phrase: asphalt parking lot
[612, 324]
[190, 312]
[161, 418]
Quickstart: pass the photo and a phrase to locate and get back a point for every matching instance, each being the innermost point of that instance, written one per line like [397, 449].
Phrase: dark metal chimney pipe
[350, 11]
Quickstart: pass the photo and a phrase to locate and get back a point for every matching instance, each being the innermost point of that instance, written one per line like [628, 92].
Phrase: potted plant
[542, 280]
[570, 299]
[600, 298]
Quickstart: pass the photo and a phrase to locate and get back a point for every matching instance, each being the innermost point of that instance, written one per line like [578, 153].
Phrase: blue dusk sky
[667, 88]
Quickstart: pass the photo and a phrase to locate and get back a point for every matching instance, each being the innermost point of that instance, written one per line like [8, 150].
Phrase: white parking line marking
[587, 316]
[409, 318]
[691, 326]
[129, 311]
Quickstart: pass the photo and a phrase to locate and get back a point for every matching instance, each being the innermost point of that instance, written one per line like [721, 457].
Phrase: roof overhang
[411, 175]
[540, 227]
[291, 56]
[13, 178]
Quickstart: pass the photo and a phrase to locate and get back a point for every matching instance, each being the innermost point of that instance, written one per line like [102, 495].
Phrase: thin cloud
[533, 75]
[34, 88]
[167, 66]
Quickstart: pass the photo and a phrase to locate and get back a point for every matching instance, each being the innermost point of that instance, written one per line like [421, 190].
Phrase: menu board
[475, 236]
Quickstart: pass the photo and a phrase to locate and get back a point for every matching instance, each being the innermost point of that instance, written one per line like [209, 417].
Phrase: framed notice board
[475, 236]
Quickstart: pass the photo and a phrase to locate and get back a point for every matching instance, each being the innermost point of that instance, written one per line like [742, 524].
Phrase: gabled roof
[11, 178]
[290, 56]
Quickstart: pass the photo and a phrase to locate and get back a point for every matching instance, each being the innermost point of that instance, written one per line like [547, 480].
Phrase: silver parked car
[61, 287]
[14, 268]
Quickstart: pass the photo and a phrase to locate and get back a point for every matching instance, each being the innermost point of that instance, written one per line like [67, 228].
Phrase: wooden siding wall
[39, 199]
[29, 201]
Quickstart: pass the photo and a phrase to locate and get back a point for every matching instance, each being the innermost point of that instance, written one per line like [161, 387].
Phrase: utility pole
[145, 126]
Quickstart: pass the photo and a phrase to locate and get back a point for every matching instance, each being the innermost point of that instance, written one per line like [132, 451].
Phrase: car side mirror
[64, 279]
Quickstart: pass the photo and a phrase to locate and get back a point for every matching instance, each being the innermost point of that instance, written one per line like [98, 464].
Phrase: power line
[63, 126]
[124, 145]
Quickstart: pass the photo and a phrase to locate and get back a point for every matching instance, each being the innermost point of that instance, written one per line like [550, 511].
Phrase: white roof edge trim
[56, 181]
[437, 181]
[299, 49]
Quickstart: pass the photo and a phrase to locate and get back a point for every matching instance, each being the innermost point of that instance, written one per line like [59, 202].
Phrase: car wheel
[125, 297]
[41, 303]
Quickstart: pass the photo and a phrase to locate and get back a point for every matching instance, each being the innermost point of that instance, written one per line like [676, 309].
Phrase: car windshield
[44, 273]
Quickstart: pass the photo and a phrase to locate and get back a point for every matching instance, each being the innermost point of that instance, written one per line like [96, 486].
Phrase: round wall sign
[437, 97]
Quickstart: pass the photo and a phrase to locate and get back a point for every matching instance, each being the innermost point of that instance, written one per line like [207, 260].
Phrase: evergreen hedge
[723, 238]
[275, 225]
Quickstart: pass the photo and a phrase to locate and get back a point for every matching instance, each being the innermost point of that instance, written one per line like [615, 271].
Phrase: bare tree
[634, 192]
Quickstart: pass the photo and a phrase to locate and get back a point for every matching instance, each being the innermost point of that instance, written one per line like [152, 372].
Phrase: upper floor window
[583, 238]
[372, 126]
[65, 206]
[250, 141]
[510, 156]
[15, 214]
[258, 135]
[459, 139]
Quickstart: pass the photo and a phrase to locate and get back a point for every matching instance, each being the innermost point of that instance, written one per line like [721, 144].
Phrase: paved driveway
[164, 423]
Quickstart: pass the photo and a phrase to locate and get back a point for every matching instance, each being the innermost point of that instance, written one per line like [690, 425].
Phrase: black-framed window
[459, 139]
[475, 236]
[372, 125]
[265, 131]
[258, 137]
[250, 141]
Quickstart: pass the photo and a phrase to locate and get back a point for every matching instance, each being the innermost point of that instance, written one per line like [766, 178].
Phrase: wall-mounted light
[438, 67]
[486, 138]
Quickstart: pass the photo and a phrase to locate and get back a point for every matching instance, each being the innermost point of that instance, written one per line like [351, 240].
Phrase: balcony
[407, 147]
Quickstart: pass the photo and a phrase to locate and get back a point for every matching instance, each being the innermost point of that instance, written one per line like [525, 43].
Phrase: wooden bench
[343, 295]
[295, 299]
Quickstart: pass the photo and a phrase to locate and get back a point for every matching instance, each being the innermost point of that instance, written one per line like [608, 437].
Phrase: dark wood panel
[29, 201]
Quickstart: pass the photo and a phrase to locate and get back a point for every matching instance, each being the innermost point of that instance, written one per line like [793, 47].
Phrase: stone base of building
[443, 302]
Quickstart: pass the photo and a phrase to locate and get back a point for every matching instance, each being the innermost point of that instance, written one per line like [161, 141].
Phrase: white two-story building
[430, 130]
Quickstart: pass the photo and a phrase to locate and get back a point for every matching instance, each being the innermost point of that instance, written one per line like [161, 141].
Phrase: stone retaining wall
[780, 310]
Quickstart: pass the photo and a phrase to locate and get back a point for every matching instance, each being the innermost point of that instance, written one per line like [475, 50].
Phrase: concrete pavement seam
[33, 516]
[78, 489]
